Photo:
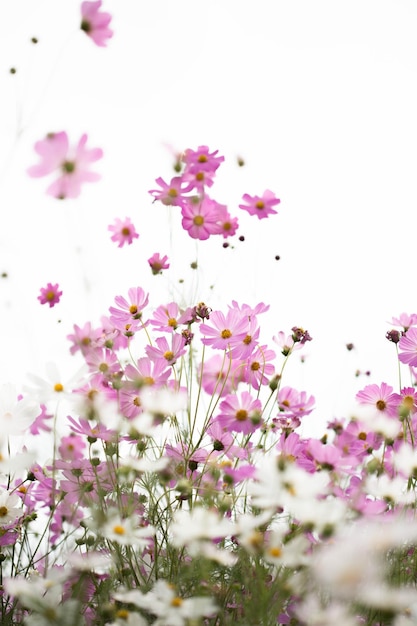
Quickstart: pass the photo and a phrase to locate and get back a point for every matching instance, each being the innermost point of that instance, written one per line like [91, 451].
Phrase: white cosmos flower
[169, 608]
[191, 527]
[10, 507]
[15, 415]
[126, 532]
[54, 386]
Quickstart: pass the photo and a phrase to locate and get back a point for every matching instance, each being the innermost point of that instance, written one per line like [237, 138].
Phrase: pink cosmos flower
[200, 217]
[405, 320]
[261, 206]
[219, 375]
[170, 194]
[408, 347]
[381, 397]
[227, 225]
[148, 372]
[84, 338]
[170, 353]
[240, 412]
[165, 318]
[131, 309]
[201, 159]
[123, 231]
[72, 164]
[158, 263]
[259, 370]
[224, 331]
[292, 402]
[50, 294]
[95, 23]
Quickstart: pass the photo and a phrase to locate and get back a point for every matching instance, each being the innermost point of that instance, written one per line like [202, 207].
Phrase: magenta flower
[50, 294]
[408, 347]
[123, 231]
[158, 263]
[261, 206]
[95, 23]
[72, 164]
[240, 413]
[200, 217]
[381, 397]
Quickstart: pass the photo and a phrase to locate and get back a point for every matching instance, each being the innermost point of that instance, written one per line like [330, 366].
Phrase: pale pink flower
[408, 347]
[381, 397]
[294, 403]
[50, 294]
[220, 375]
[148, 372]
[224, 331]
[71, 163]
[95, 23]
[240, 413]
[404, 320]
[158, 263]
[200, 217]
[84, 338]
[171, 353]
[165, 318]
[227, 225]
[261, 206]
[123, 231]
[259, 370]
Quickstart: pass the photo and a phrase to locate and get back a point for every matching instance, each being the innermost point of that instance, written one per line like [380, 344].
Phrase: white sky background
[318, 97]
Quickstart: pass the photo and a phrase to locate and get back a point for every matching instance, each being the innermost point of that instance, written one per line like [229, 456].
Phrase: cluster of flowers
[180, 489]
[172, 484]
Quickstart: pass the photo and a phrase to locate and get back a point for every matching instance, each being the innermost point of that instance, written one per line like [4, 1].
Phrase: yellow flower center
[133, 309]
[3, 511]
[226, 333]
[118, 529]
[176, 601]
[125, 231]
[241, 415]
[198, 220]
[172, 322]
[58, 387]
[260, 205]
[381, 405]
[255, 366]
[168, 355]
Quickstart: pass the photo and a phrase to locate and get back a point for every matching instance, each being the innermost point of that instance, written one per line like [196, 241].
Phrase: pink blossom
[165, 318]
[259, 370]
[261, 206]
[240, 412]
[170, 194]
[292, 402]
[224, 331]
[50, 294]
[381, 397]
[95, 23]
[405, 320]
[165, 351]
[408, 347]
[219, 375]
[158, 263]
[148, 372]
[123, 231]
[128, 314]
[227, 225]
[200, 217]
[84, 338]
[201, 159]
[70, 162]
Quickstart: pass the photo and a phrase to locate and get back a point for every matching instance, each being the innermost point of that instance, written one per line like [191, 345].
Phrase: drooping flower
[261, 206]
[123, 231]
[95, 23]
[158, 263]
[71, 163]
[50, 294]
